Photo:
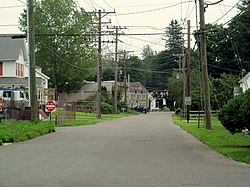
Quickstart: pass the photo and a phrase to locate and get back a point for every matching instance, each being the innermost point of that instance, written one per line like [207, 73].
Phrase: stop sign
[50, 106]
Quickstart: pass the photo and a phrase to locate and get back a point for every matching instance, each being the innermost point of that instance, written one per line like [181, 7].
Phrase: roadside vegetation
[235, 146]
[235, 115]
[23, 130]
[83, 118]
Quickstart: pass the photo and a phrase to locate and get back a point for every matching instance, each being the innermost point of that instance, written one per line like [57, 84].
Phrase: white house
[245, 82]
[14, 69]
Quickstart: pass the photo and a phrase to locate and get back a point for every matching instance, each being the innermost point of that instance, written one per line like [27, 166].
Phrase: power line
[146, 41]
[21, 2]
[8, 25]
[226, 13]
[108, 4]
[152, 10]
[70, 64]
[18, 6]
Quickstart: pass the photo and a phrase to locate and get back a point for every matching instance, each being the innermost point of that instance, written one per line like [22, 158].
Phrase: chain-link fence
[66, 111]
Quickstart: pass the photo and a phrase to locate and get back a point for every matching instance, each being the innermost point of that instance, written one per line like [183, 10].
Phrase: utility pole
[99, 76]
[125, 74]
[204, 67]
[125, 77]
[184, 82]
[188, 72]
[116, 67]
[31, 59]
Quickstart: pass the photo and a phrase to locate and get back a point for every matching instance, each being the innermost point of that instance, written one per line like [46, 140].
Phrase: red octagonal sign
[50, 106]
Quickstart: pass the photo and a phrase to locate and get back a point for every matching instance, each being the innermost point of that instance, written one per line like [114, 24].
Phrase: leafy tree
[239, 27]
[135, 67]
[175, 88]
[64, 56]
[147, 52]
[220, 51]
[164, 64]
[222, 90]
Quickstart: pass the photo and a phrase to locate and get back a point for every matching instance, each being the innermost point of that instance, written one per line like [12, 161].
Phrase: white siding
[245, 85]
[245, 82]
[9, 69]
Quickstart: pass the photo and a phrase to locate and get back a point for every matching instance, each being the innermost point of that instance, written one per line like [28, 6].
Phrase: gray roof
[92, 86]
[137, 86]
[10, 48]
[9, 81]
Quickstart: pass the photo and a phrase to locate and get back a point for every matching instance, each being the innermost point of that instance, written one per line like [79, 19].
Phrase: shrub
[235, 115]
[107, 108]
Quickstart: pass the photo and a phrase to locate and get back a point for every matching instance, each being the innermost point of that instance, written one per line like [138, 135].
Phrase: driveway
[147, 150]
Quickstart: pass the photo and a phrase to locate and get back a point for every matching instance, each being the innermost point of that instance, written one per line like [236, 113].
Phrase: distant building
[88, 89]
[14, 69]
[138, 95]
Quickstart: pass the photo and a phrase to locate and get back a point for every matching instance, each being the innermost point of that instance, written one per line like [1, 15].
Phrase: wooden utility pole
[184, 82]
[99, 75]
[204, 67]
[125, 74]
[125, 77]
[116, 68]
[31, 59]
[188, 72]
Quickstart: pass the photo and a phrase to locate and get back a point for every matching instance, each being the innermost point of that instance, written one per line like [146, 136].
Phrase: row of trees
[66, 52]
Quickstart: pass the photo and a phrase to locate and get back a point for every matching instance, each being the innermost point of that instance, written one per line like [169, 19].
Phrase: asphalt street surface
[147, 150]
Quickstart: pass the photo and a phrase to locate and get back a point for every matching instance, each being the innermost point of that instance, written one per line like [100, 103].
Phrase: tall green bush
[107, 108]
[235, 115]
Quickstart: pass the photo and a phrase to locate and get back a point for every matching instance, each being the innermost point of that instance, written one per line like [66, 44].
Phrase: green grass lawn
[83, 118]
[235, 146]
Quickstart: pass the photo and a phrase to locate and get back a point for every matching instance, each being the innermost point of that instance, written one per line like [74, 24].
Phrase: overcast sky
[139, 16]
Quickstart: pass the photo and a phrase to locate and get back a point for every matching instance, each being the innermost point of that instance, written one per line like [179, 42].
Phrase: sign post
[50, 106]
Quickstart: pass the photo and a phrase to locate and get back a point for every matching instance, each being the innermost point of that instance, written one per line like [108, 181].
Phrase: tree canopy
[63, 45]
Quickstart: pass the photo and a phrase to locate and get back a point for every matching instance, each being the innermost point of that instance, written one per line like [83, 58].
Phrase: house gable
[13, 55]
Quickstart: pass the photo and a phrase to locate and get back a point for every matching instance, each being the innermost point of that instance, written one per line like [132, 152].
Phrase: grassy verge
[83, 118]
[235, 146]
[23, 130]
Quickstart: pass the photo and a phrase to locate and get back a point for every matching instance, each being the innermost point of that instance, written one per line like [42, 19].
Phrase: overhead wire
[152, 10]
[226, 12]
[93, 2]
[21, 1]
[17, 6]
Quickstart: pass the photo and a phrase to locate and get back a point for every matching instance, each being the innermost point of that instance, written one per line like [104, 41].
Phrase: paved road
[144, 151]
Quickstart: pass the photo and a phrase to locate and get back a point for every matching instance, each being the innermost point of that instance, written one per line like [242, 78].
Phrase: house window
[1, 68]
[19, 70]
[140, 96]
[135, 96]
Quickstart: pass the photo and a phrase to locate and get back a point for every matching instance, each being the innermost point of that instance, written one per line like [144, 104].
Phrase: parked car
[141, 109]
